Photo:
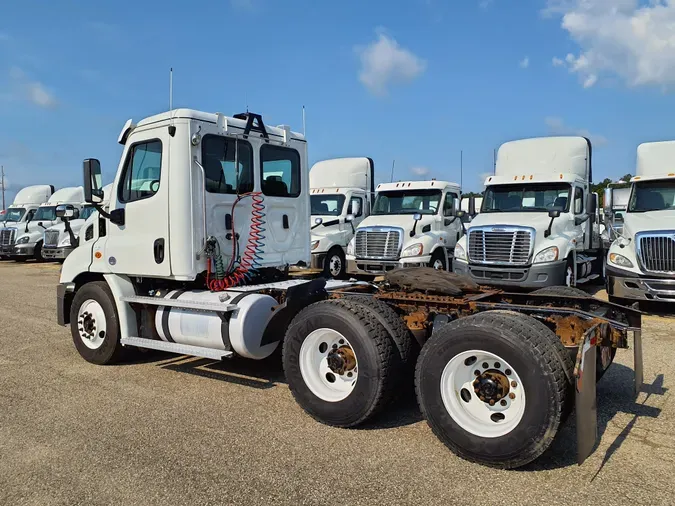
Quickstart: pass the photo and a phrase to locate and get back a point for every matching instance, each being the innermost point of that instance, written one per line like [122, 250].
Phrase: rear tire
[94, 324]
[474, 433]
[605, 354]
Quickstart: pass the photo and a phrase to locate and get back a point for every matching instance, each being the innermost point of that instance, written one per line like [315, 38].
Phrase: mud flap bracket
[585, 394]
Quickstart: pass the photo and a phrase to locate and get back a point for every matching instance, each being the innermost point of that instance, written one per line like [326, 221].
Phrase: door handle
[158, 249]
[284, 220]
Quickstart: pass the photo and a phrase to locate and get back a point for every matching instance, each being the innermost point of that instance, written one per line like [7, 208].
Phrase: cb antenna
[303, 121]
[171, 89]
[393, 164]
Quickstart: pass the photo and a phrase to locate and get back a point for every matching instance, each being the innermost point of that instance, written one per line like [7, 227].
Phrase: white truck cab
[340, 198]
[538, 223]
[21, 211]
[641, 260]
[412, 224]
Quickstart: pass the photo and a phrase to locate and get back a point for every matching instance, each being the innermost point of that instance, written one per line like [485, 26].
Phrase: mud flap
[585, 399]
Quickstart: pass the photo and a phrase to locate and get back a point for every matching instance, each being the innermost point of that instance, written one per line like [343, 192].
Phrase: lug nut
[514, 384]
[508, 372]
[349, 375]
[497, 365]
[502, 402]
[492, 402]
[482, 398]
[476, 372]
[485, 365]
[512, 396]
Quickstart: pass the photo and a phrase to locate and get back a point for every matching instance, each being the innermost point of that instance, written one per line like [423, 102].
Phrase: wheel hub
[88, 324]
[341, 360]
[491, 386]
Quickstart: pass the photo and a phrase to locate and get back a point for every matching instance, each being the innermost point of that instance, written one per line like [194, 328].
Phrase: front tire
[340, 362]
[94, 324]
[335, 265]
[520, 379]
[438, 260]
[37, 253]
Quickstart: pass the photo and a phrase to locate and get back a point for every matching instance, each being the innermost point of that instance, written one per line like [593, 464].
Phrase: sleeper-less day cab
[21, 212]
[641, 260]
[207, 214]
[538, 225]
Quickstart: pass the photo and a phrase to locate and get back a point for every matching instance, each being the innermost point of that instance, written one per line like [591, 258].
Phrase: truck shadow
[615, 395]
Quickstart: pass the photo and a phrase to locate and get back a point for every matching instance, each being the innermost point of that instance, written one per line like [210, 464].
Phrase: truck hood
[76, 225]
[404, 221]
[648, 221]
[538, 221]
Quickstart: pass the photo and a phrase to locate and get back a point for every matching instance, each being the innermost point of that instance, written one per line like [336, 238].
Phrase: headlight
[23, 240]
[620, 260]
[413, 250]
[315, 244]
[350, 246]
[460, 254]
[547, 255]
[65, 241]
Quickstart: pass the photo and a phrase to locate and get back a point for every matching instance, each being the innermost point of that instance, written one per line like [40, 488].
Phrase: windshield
[652, 196]
[327, 205]
[526, 198]
[13, 214]
[45, 213]
[407, 202]
[87, 212]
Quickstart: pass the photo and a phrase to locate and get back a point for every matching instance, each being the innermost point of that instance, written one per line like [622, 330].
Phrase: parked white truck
[61, 239]
[641, 260]
[538, 224]
[22, 210]
[620, 197]
[412, 224]
[206, 215]
[341, 190]
[28, 239]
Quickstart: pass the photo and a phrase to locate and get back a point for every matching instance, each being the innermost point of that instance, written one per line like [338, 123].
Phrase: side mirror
[554, 213]
[608, 203]
[417, 216]
[65, 212]
[92, 181]
[349, 217]
[472, 206]
[356, 207]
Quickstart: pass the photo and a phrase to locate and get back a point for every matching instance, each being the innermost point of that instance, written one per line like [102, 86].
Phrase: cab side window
[280, 171]
[142, 170]
[30, 215]
[447, 205]
[218, 159]
[578, 201]
[359, 206]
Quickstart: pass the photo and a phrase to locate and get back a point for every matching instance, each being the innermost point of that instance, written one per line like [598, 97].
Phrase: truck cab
[641, 259]
[340, 196]
[21, 212]
[538, 223]
[29, 239]
[412, 224]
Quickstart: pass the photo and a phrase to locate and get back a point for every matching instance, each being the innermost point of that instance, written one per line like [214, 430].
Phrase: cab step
[180, 349]
[184, 304]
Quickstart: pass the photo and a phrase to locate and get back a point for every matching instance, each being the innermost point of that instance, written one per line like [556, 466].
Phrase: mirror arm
[74, 241]
[414, 229]
[547, 232]
[100, 210]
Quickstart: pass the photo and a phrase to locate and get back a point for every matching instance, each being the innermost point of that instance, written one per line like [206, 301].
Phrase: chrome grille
[7, 236]
[656, 252]
[51, 238]
[378, 243]
[500, 245]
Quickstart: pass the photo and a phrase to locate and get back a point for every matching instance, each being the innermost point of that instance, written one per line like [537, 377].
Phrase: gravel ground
[166, 430]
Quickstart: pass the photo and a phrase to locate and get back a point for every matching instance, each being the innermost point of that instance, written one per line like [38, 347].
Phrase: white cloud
[524, 63]
[557, 126]
[384, 62]
[33, 91]
[633, 40]
[420, 171]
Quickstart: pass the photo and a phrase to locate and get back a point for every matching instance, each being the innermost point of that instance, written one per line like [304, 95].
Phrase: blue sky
[416, 80]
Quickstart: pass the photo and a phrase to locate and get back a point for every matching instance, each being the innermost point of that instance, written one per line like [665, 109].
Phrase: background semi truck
[22, 210]
[641, 259]
[61, 239]
[412, 223]
[538, 224]
[341, 193]
[620, 197]
[27, 240]
[196, 262]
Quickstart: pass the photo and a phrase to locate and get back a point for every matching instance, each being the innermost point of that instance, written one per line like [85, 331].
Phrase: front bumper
[366, 266]
[24, 250]
[627, 285]
[7, 250]
[56, 253]
[534, 276]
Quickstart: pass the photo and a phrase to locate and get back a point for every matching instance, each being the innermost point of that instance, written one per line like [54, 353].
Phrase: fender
[121, 286]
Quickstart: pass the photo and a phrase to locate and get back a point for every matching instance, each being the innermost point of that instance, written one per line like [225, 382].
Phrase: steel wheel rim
[463, 403]
[315, 369]
[91, 324]
[438, 264]
[335, 265]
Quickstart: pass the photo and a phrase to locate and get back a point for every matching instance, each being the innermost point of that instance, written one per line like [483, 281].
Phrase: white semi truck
[412, 224]
[22, 210]
[341, 190]
[206, 215]
[538, 224]
[620, 197]
[641, 260]
[61, 239]
[27, 240]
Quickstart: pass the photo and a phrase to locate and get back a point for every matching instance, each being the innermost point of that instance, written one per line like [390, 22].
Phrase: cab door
[451, 226]
[139, 245]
